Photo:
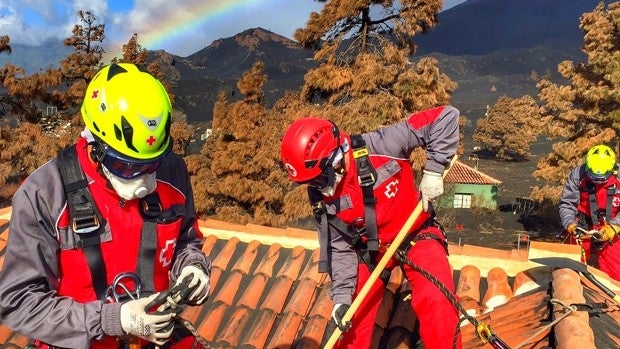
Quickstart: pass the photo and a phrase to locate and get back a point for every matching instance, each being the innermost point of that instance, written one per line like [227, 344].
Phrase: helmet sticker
[151, 140]
[151, 122]
[291, 170]
[95, 94]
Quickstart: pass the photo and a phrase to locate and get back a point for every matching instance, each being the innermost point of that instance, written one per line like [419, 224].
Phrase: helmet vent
[114, 70]
[128, 134]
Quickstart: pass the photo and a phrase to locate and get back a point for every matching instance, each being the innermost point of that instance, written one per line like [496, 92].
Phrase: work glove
[431, 187]
[154, 327]
[572, 228]
[337, 315]
[607, 232]
[199, 281]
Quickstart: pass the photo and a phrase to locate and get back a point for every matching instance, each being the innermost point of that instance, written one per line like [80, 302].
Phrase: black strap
[151, 210]
[593, 202]
[366, 178]
[84, 217]
[611, 192]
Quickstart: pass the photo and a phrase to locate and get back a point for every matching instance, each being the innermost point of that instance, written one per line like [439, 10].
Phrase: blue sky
[180, 27]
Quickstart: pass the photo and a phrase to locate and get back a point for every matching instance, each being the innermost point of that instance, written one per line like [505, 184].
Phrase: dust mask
[134, 188]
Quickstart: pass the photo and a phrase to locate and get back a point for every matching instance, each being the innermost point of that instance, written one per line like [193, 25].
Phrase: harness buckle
[87, 224]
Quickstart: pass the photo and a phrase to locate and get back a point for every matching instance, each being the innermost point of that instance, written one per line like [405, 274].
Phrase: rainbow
[177, 24]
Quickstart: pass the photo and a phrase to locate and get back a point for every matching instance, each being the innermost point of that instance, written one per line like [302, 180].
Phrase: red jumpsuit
[396, 198]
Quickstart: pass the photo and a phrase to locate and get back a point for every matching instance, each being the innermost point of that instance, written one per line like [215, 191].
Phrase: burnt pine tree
[39, 135]
[510, 128]
[238, 172]
[365, 78]
[586, 110]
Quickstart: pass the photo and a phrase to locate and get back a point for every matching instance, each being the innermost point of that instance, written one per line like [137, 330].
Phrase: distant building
[469, 188]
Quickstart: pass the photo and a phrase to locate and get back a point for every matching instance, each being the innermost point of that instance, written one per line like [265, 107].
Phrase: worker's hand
[607, 232]
[572, 228]
[199, 280]
[153, 327]
[337, 315]
[431, 187]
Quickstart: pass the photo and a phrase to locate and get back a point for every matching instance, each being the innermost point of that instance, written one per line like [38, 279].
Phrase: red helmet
[306, 147]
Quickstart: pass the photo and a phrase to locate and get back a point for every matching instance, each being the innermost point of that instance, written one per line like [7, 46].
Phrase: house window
[462, 200]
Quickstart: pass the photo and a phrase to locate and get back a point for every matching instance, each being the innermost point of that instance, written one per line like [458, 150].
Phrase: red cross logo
[391, 189]
[95, 94]
[166, 253]
[151, 140]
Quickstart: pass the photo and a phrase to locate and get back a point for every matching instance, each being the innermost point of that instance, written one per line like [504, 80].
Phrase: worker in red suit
[99, 231]
[590, 209]
[362, 191]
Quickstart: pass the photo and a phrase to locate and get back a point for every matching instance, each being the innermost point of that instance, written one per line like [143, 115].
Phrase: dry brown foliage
[510, 128]
[585, 111]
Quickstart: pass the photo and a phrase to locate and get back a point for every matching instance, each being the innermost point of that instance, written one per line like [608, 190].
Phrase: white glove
[154, 327]
[431, 187]
[337, 315]
[199, 279]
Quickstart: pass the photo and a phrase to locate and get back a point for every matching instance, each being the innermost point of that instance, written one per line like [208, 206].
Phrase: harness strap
[593, 202]
[611, 192]
[84, 217]
[366, 178]
[151, 210]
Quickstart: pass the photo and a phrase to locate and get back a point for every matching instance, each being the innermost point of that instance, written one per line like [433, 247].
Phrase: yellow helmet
[600, 162]
[129, 111]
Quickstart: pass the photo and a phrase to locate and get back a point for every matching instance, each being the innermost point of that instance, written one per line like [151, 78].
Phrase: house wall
[482, 195]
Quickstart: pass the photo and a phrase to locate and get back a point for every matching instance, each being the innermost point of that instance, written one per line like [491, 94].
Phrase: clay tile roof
[266, 292]
[461, 173]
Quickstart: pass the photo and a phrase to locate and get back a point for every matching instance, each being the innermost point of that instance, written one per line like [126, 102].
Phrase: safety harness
[87, 223]
[595, 212]
[362, 227]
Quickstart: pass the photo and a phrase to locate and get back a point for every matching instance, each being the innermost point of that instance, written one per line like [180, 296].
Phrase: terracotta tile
[312, 333]
[574, 328]
[4, 236]
[234, 328]
[311, 270]
[244, 263]
[302, 298]
[286, 331]
[479, 251]
[498, 291]
[254, 292]
[260, 329]
[229, 289]
[279, 290]
[5, 333]
[220, 225]
[293, 265]
[20, 341]
[269, 260]
[524, 282]
[225, 255]
[208, 244]
[469, 283]
[323, 305]
[209, 326]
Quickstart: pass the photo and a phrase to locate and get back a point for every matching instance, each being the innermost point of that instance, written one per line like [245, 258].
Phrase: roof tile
[461, 173]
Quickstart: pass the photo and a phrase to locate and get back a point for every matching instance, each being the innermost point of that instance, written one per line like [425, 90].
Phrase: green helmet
[600, 163]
